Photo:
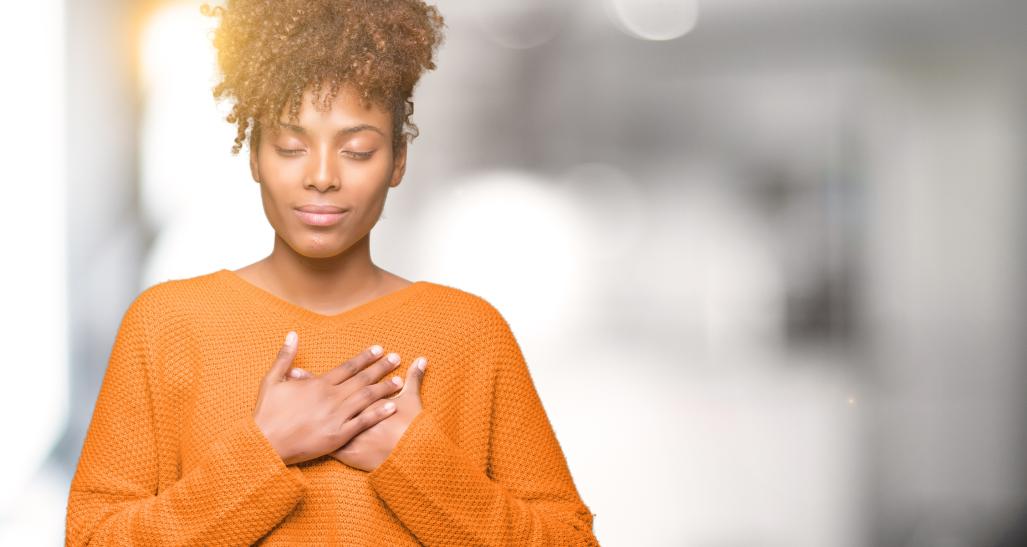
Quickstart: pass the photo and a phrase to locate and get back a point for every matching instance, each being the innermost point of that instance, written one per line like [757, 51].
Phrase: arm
[528, 496]
[237, 492]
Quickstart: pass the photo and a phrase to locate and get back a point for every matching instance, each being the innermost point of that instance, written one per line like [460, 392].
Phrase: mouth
[320, 215]
[320, 209]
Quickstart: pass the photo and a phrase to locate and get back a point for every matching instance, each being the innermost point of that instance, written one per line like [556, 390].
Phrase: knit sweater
[172, 455]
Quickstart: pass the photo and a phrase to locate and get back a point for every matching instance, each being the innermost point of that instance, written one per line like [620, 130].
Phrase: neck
[322, 282]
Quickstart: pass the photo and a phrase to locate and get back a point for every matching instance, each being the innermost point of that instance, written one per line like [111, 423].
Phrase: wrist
[276, 442]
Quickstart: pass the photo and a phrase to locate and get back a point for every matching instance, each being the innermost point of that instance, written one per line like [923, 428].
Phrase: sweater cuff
[245, 445]
[421, 434]
[432, 486]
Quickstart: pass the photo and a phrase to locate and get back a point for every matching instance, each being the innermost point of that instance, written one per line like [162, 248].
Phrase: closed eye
[298, 151]
[289, 151]
[359, 155]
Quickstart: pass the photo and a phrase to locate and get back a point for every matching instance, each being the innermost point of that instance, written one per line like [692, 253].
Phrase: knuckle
[343, 371]
[364, 377]
[343, 432]
[374, 373]
[384, 388]
[384, 367]
[367, 394]
[366, 419]
[351, 367]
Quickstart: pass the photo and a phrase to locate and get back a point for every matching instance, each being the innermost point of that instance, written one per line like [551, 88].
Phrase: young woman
[210, 430]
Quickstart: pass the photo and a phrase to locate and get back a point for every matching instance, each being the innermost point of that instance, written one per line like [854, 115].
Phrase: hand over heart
[368, 449]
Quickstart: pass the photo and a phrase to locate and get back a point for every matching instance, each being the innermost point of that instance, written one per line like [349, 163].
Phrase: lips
[320, 215]
[327, 209]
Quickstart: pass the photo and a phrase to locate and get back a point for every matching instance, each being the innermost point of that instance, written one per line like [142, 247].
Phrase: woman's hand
[369, 448]
[311, 417]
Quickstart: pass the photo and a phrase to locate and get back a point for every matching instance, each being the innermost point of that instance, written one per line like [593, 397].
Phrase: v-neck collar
[356, 313]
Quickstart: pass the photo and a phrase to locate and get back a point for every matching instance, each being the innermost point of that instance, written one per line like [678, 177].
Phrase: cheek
[281, 171]
[277, 193]
[278, 181]
[271, 204]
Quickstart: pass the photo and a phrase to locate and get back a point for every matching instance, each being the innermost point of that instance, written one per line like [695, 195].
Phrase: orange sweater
[172, 455]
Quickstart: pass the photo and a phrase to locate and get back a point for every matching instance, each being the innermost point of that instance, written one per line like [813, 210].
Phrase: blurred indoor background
[765, 259]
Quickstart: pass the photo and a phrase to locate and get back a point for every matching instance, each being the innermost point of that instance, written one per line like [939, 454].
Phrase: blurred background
[766, 260]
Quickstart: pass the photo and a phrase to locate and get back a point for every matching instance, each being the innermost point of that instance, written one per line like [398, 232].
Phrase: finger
[415, 374]
[368, 417]
[297, 373]
[284, 358]
[353, 365]
[360, 399]
[377, 371]
[399, 383]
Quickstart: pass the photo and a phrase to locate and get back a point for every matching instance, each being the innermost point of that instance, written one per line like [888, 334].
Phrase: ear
[254, 166]
[399, 165]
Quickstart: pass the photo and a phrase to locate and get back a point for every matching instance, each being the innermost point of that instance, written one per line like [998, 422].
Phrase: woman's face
[324, 178]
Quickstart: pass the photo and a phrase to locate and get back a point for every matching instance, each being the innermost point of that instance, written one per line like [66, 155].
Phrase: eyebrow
[339, 133]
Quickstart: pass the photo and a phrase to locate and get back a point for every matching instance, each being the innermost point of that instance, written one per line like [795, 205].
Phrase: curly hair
[270, 51]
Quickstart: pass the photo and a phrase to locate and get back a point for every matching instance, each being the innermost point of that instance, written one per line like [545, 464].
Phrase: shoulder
[471, 309]
[464, 302]
[480, 324]
[177, 297]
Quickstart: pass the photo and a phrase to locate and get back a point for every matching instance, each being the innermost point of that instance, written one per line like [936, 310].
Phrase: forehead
[345, 113]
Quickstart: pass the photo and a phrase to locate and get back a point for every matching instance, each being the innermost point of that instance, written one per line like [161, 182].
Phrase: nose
[325, 174]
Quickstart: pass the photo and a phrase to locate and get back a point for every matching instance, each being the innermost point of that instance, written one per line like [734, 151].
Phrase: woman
[209, 430]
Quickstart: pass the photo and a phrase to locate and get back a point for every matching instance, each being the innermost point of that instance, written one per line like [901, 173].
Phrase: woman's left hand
[369, 449]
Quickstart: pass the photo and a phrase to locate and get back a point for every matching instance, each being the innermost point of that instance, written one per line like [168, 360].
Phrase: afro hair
[270, 51]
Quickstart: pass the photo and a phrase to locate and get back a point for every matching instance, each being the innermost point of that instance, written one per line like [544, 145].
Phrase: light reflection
[210, 197]
[654, 19]
[177, 68]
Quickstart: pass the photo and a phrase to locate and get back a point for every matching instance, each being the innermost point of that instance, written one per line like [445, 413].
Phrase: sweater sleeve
[525, 497]
[239, 489]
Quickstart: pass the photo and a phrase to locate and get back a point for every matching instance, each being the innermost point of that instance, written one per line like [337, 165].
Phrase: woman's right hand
[311, 417]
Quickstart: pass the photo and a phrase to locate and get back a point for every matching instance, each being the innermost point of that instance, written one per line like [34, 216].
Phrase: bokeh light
[654, 19]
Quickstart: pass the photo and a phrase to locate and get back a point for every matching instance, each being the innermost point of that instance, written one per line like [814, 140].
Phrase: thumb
[284, 358]
[414, 375]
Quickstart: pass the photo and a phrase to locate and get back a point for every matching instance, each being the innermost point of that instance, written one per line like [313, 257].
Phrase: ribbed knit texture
[172, 455]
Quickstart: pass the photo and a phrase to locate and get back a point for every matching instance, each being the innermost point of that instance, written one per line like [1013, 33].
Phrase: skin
[328, 270]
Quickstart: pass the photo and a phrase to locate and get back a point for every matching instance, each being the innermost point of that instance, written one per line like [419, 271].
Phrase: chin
[317, 245]
[323, 251]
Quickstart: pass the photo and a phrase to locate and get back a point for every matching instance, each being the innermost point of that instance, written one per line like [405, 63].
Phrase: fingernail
[290, 339]
[389, 406]
[396, 380]
[393, 358]
[376, 350]
[421, 363]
